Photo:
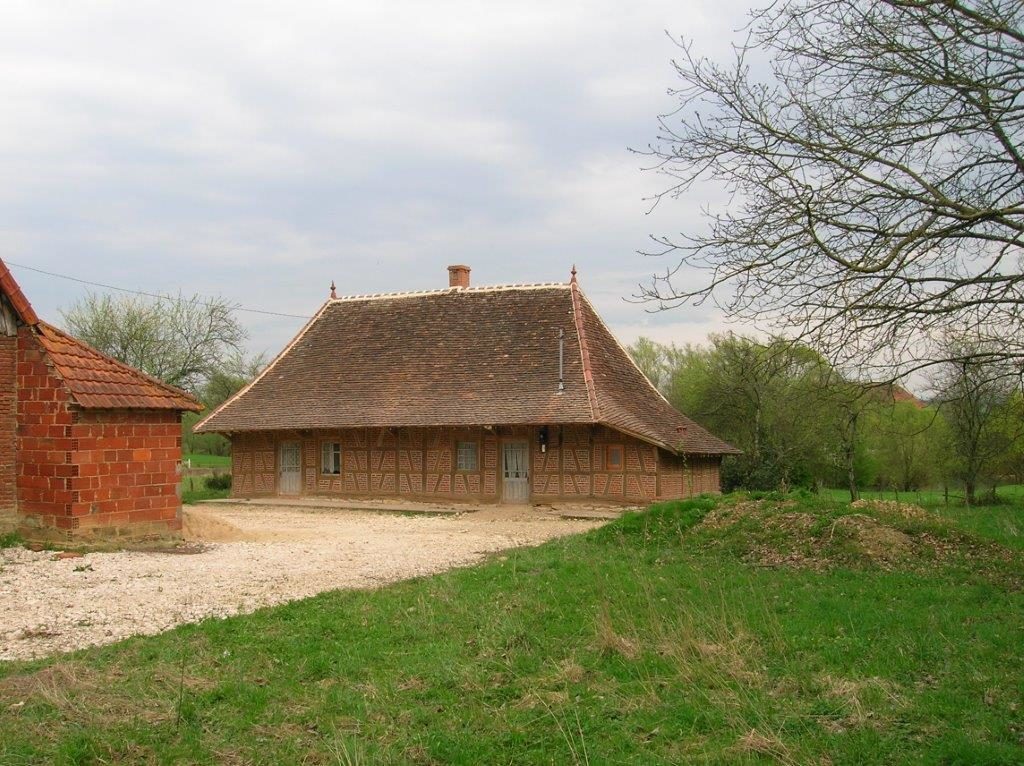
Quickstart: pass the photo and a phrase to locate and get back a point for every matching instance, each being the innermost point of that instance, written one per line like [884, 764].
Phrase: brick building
[89, 447]
[515, 394]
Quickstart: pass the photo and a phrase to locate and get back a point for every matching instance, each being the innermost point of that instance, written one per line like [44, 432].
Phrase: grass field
[1003, 520]
[193, 488]
[770, 631]
[197, 491]
[199, 460]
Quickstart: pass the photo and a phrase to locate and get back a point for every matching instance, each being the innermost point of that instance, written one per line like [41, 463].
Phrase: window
[466, 456]
[613, 458]
[330, 458]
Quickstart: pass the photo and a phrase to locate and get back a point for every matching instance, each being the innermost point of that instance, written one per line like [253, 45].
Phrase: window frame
[476, 455]
[324, 445]
[608, 448]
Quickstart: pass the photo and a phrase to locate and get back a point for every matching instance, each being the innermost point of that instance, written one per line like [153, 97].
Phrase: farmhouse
[509, 394]
[89, 447]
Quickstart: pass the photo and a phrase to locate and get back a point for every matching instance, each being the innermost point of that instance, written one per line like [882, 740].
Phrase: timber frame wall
[420, 463]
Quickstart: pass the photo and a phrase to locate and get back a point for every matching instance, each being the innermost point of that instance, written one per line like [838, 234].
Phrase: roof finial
[334, 294]
[573, 273]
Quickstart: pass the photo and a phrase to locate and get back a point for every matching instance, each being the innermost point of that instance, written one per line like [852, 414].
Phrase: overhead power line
[157, 296]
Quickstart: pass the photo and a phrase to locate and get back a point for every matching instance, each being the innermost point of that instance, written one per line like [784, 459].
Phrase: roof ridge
[127, 367]
[629, 356]
[265, 370]
[588, 372]
[452, 290]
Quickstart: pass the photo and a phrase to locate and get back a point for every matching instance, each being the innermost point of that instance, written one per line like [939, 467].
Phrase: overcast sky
[259, 151]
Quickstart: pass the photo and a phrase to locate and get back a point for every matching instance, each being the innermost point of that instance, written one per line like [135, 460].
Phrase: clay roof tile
[465, 356]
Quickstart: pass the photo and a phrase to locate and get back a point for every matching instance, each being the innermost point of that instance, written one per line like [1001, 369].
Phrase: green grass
[657, 639]
[200, 460]
[190, 495]
[11, 540]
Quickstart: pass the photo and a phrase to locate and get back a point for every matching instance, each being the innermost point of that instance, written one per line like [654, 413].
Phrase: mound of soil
[876, 540]
[893, 509]
[786, 534]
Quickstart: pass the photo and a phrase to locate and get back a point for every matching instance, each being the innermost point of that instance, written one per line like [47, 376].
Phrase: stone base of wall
[42, 530]
[9, 521]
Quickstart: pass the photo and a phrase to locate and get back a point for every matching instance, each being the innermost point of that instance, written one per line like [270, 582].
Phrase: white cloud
[260, 150]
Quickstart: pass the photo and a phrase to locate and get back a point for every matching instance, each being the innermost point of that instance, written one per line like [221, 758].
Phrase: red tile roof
[894, 393]
[460, 356]
[96, 381]
[10, 288]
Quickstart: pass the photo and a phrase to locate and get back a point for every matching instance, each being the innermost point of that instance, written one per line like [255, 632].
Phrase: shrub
[218, 481]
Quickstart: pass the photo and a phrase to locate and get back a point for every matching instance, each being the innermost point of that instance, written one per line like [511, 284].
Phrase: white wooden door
[288, 478]
[515, 472]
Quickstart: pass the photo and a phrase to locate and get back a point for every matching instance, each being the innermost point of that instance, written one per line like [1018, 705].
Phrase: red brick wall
[44, 440]
[420, 463]
[109, 473]
[8, 422]
[128, 471]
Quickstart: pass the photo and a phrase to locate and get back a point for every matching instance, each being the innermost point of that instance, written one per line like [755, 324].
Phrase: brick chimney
[458, 276]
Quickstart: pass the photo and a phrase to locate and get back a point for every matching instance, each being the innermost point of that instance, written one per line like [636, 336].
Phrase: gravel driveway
[251, 558]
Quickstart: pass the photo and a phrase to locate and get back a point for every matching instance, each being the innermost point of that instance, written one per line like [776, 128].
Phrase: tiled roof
[10, 288]
[626, 400]
[893, 393]
[462, 356]
[96, 381]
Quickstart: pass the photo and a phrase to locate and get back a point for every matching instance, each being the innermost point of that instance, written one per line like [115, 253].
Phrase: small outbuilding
[511, 394]
[89, 447]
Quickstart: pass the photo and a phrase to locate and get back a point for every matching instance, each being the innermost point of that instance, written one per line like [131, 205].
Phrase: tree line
[801, 422]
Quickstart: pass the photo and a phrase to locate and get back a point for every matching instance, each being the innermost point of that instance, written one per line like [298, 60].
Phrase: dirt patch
[199, 526]
[860, 700]
[244, 558]
[763, 744]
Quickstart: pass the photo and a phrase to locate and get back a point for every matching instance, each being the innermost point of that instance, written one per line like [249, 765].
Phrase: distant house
[893, 393]
[89, 447]
[512, 393]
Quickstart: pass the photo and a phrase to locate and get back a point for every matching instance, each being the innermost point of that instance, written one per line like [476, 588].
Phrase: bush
[218, 481]
[768, 474]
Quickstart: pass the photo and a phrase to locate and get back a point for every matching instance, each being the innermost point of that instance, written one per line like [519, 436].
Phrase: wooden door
[515, 472]
[289, 469]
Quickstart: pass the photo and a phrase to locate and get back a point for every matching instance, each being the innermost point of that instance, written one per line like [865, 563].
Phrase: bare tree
[182, 341]
[873, 151]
